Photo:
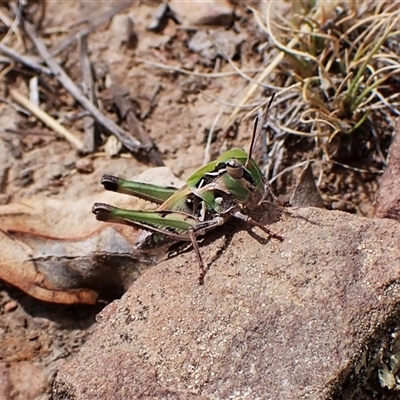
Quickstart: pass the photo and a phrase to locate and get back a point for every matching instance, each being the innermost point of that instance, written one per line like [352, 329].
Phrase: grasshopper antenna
[258, 125]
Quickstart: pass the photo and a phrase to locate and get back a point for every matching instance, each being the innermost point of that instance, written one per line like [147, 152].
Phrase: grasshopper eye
[235, 169]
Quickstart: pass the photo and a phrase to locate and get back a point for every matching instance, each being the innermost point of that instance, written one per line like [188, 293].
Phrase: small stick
[34, 90]
[146, 113]
[46, 119]
[125, 110]
[89, 92]
[128, 141]
[28, 61]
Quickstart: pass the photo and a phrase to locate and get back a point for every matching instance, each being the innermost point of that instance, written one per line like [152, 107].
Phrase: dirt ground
[179, 111]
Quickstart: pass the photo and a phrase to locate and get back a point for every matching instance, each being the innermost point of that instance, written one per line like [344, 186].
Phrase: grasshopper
[230, 186]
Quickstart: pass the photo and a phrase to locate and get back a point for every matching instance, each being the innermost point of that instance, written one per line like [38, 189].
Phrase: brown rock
[5, 385]
[28, 380]
[388, 196]
[216, 13]
[10, 306]
[123, 32]
[307, 318]
[84, 166]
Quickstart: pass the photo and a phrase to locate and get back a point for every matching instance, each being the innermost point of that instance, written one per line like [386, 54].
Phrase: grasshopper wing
[182, 201]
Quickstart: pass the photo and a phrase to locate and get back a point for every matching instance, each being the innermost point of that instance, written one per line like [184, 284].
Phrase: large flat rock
[311, 317]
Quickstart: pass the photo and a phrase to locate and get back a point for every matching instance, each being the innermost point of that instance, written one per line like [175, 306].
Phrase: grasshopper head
[235, 168]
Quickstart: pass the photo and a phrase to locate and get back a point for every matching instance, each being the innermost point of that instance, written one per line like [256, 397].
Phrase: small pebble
[57, 183]
[10, 306]
[113, 146]
[213, 12]
[84, 166]
[53, 190]
[57, 171]
[123, 32]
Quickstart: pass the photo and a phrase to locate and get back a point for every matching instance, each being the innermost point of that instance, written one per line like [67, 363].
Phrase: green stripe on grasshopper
[216, 174]
[239, 154]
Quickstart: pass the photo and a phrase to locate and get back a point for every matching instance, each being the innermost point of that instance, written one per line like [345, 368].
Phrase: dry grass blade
[192, 73]
[46, 119]
[317, 15]
[339, 68]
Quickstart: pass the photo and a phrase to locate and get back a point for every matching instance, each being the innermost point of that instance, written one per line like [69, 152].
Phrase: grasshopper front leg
[198, 230]
[200, 262]
[251, 221]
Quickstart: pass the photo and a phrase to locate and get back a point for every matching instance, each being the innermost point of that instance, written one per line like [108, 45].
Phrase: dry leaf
[57, 251]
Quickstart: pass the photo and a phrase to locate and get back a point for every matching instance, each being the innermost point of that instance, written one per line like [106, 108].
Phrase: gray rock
[311, 317]
[123, 32]
[214, 43]
[306, 193]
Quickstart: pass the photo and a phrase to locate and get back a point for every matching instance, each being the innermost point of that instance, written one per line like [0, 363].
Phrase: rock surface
[305, 318]
[388, 199]
[217, 13]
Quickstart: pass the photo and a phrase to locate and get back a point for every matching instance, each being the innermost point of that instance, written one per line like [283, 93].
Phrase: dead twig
[194, 73]
[89, 92]
[125, 109]
[128, 141]
[46, 119]
[34, 90]
[24, 60]
[150, 107]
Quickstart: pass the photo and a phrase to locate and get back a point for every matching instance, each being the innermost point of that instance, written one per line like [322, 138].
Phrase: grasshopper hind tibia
[102, 211]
